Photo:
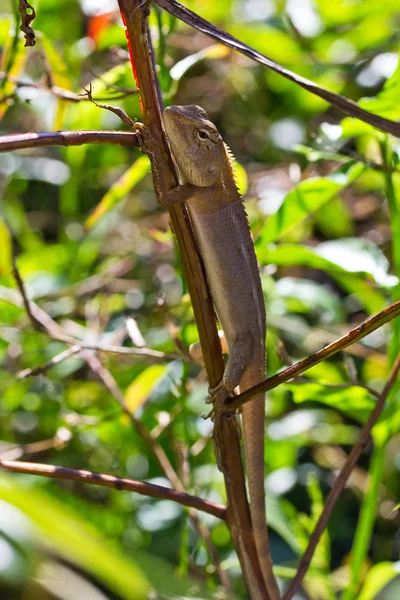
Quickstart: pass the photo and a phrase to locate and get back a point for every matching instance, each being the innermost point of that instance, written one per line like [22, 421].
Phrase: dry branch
[134, 14]
[356, 334]
[118, 483]
[19, 141]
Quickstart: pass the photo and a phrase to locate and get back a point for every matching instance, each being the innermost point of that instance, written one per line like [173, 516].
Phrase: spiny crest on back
[232, 166]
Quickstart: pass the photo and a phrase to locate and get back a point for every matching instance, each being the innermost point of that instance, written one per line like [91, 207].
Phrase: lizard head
[196, 145]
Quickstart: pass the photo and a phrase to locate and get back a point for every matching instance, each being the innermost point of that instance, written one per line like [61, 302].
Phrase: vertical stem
[134, 14]
[365, 524]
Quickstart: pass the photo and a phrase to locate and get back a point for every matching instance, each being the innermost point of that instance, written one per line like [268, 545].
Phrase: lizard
[216, 209]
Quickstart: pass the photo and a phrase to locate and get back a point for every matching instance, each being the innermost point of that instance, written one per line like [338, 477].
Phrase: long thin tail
[253, 429]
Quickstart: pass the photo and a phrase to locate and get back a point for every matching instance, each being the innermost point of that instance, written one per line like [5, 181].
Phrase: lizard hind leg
[238, 361]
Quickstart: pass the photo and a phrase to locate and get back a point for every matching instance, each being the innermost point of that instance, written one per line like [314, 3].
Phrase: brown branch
[340, 483]
[117, 483]
[131, 351]
[300, 367]
[38, 314]
[134, 14]
[34, 322]
[27, 15]
[341, 102]
[19, 141]
[114, 109]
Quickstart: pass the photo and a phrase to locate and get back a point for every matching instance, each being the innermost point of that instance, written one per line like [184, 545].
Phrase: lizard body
[222, 231]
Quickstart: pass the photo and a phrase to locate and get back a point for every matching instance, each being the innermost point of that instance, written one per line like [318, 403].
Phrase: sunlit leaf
[354, 401]
[12, 63]
[6, 249]
[306, 198]
[386, 102]
[354, 282]
[60, 74]
[142, 387]
[304, 295]
[377, 578]
[273, 42]
[119, 190]
[215, 51]
[75, 540]
[241, 178]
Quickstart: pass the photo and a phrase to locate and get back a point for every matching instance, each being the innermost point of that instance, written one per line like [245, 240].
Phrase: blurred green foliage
[94, 249]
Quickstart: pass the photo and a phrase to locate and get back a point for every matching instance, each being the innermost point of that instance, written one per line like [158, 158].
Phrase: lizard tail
[253, 416]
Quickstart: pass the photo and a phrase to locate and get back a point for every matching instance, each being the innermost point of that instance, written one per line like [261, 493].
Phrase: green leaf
[306, 198]
[356, 255]
[60, 73]
[6, 249]
[377, 578]
[355, 282]
[279, 522]
[119, 190]
[305, 295]
[271, 41]
[386, 103]
[215, 51]
[75, 540]
[355, 401]
[142, 387]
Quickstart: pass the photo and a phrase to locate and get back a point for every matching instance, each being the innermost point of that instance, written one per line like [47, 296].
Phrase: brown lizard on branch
[207, 184]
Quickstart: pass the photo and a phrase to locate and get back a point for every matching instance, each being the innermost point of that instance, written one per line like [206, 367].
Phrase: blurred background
[96, 255]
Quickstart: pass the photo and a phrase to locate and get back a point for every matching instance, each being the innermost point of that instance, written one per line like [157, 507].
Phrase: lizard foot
[217, 397]
[144, 137]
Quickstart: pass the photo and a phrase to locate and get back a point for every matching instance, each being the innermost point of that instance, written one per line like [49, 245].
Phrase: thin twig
[38, 314]
[131, 351]
[340, 483]
[114, 109]
[93, 283]
[117, 483]
[19, 141]
[17, 276]
[59, 441]
[41, 370]
[300, 367]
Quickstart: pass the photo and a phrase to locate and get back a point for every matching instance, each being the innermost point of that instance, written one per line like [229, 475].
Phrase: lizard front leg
[165, 196]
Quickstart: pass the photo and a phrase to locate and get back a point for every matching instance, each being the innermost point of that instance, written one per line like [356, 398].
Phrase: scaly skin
[220, 224]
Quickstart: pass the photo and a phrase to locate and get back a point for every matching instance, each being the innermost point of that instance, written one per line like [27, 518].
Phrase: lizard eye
[203, 135]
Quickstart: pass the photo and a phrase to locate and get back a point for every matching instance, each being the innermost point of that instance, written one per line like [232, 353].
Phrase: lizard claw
[144, 137]
[217, 397]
